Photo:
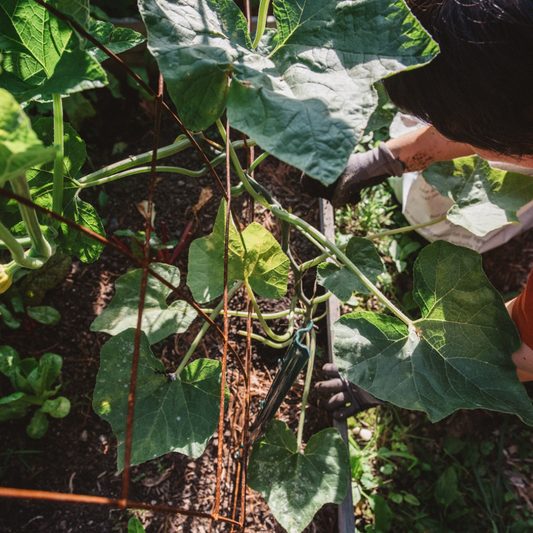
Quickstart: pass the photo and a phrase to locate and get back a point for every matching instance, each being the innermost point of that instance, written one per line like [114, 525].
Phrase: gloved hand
[345, 392]
[363, 170]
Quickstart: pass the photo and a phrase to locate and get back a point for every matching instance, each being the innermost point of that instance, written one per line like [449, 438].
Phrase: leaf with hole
[340, 281]
[297, 485]
[159, 319]
[457, 356]
[306, 93]
[484, 198]
[170, 416]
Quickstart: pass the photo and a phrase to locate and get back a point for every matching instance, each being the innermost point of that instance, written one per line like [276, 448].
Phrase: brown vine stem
[118, 249]
[144, 280]
[7, 492]
[226, 331]
[144, 85]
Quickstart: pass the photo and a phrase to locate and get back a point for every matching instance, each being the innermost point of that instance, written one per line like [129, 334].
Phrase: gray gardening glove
[344, 392]
[363, 170]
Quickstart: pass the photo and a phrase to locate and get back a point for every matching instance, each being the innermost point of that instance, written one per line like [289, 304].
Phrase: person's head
[479, 88]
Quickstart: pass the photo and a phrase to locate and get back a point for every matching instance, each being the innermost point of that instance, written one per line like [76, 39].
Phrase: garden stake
[6, 492]
[226, 331]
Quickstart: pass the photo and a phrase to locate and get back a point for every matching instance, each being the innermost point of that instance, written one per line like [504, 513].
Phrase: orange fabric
[522, 313]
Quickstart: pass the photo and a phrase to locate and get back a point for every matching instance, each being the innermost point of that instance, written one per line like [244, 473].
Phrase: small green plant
[14, 313]
[33, 383]
[405, 482]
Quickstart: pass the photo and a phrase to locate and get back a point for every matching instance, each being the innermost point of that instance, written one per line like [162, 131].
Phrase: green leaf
[43, 376]
[254, 255]
[159, 319]
[20, 374]
[116, 39]
[135, 526]
[9, 358]
[485, 198]
[446, 488]
[38, 425]
[382, 514]
[13, 406]
[78, 10]
[170, 416]
[40, 180]
[28, 28]
[9, 320]
[58, 407]
[341, 282]
[42, 55]
[296, 485]
[305, 95]
[44, 314]
[457, 356]
[20, 148]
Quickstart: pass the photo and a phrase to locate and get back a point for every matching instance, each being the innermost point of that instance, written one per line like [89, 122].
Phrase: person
[474, 99]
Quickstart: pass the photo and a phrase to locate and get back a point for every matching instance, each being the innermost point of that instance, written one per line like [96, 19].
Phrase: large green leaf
[116, 39]
[305, 94]
[78, 10]
[159, 319]
[340, 281]
[485, 198]
[20, 147]
[40, 180]
[297, 485]
[42, 55]
[254, 255]
[457, 356]
[170, 416]
[29, 28]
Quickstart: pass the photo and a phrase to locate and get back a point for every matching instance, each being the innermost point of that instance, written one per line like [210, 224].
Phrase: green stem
[266, 316]
[181, 144]
[319, 259]
[405, 228]
[310, 364]
[133, 160]
[41, 249]
[142, 170]
[11, 268]
[268, 331]
[238, 168]
[205, 327]
[17, 252]
[57, 194]
[258, 161]
[307, 228]
[261, 21]
[264, 340]
[237, 190]
[25, 242]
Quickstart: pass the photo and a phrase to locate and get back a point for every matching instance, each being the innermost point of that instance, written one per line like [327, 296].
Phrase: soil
[78, 454]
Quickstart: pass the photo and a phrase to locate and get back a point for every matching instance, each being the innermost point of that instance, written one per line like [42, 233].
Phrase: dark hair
[479, 88]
